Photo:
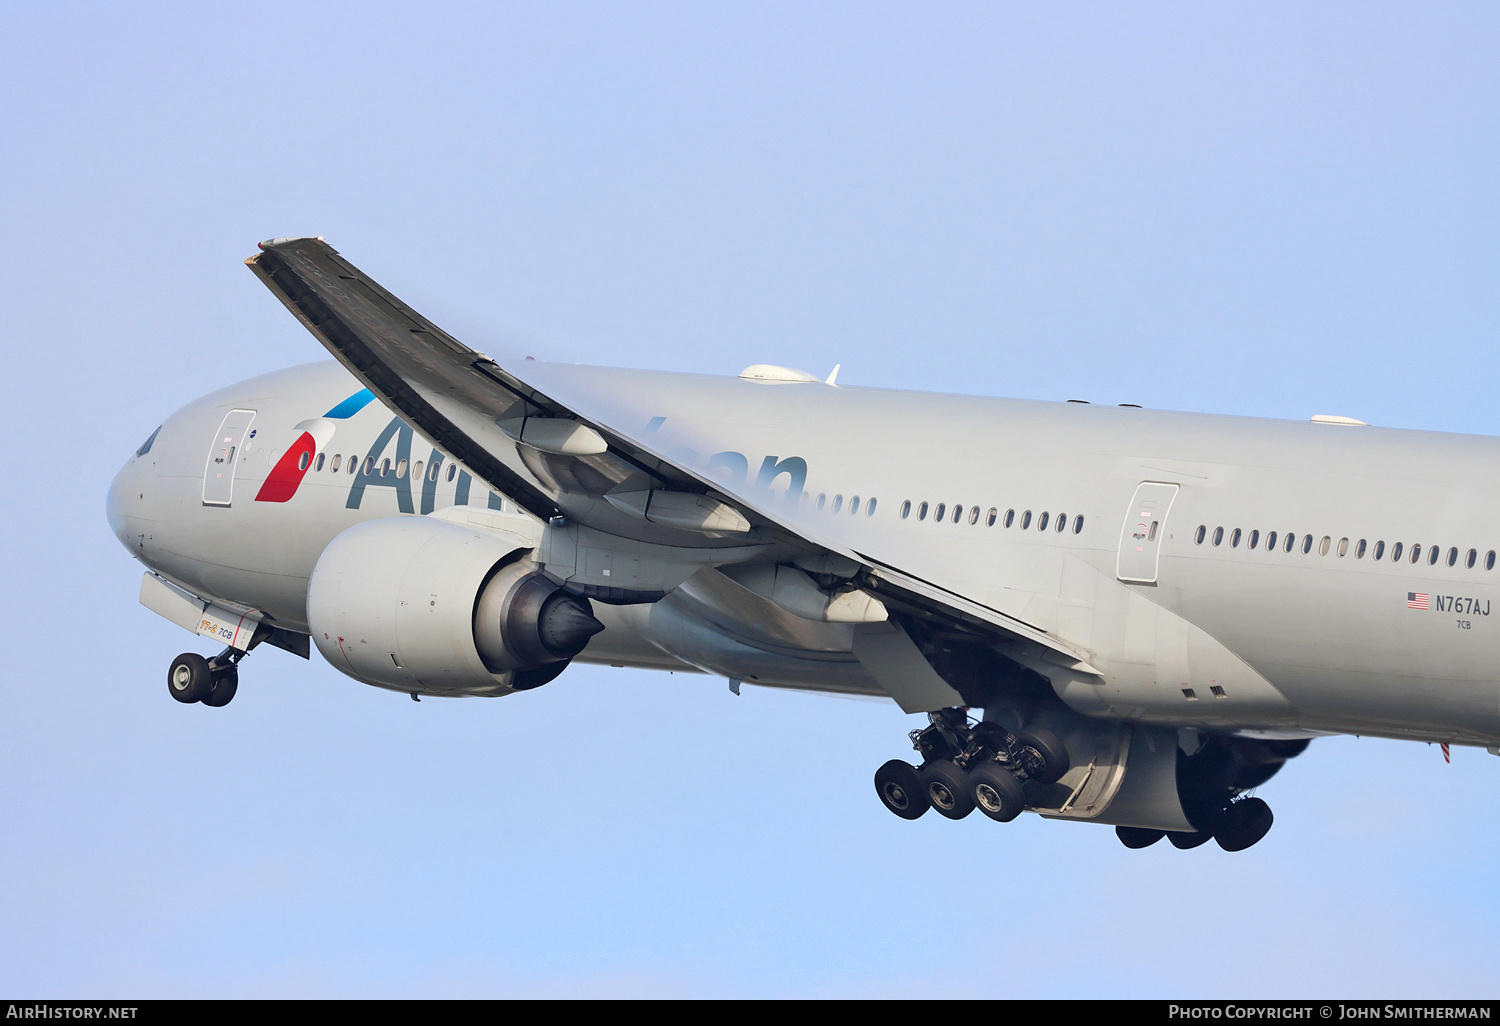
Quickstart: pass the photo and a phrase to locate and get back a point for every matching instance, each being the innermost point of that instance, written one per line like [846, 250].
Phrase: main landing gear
[1213, 784]
[213, 682]
[967, 766]
[1239, 825]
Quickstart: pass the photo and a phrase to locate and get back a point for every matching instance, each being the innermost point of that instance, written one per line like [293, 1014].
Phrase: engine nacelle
[421, 605]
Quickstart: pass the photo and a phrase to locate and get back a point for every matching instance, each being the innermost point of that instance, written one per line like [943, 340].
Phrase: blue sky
[1273, 210]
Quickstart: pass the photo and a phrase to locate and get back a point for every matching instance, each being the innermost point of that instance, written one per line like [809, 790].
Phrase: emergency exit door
[218, 475]
[1145, 525]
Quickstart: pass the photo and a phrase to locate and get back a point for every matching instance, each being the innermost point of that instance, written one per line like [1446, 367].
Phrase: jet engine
[422, 605]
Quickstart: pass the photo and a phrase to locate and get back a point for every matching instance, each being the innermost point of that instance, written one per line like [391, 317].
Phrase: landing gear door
[218, 475]
[1145, 525]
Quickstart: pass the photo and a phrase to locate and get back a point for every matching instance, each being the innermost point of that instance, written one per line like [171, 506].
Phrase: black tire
[900, 789]
[947, 788]
[1138, 837]
[1043, 754]
[1186, 841]
[226, 683]
[1245, 822]
[991, 735]
[189, 679]
[996, 792]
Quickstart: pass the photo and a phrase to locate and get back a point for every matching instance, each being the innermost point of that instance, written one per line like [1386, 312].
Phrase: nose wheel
[192, 678]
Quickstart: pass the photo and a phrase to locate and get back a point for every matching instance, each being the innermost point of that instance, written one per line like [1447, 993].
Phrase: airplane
[1104, 614]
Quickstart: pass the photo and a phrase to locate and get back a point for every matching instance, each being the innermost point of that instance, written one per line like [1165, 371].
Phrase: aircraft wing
[470, 406]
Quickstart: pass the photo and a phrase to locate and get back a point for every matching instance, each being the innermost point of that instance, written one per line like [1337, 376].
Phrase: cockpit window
[146, 445]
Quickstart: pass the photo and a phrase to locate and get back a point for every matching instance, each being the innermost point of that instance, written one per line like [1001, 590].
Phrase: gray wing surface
[456, 396]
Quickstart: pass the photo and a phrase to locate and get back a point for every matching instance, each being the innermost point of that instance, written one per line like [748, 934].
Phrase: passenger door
[1145, 522]
[218, 475]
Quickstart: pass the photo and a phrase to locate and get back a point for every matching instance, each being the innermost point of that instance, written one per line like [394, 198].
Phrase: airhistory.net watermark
[44, 1010]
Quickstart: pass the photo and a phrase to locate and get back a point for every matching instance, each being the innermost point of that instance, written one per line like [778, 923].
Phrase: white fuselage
[1318, 637]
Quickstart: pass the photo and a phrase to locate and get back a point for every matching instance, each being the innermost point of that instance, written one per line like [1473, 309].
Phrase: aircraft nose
[115, 506]
[125, 506]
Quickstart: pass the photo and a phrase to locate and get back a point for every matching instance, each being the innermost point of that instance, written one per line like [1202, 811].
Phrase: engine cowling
[421, 605]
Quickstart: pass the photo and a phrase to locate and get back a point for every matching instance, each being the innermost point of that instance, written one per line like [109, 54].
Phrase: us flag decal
[1416, 600]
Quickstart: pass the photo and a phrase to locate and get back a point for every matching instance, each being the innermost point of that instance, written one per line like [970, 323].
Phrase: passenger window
[432, 470]
[1254, 537]
[942, 508]
[1218, 536]
[990, 520]
[822, 500]
[1359, 549]
[1270, 541]
[1343, 547]
[906, 509]
[1200, 534]
[870, 508]
[401, 469]
[1306, 544]
[1026, 520]
[1470, 558]
[353, 462]
[838, 503]
[1396, 552]
[452, 470]
[1078, 524]
[1010, 517]
[318, 463]
[1452, 557]
[1323, 545]
[1416, 554]
[974, 515]
[303, 460]
[1432, 556]
[854, 505]
[416, 470]
[1489, 560]
[1379, 550]
[1062, 522]
[1041, 524]
[958, 512]
[333, 467]
[922, 511]
[1234, 539]
[385, 468]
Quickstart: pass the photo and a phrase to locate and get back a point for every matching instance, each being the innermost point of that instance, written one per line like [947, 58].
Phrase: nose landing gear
[967, 766]
[192, 678]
